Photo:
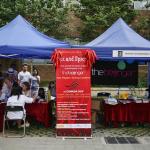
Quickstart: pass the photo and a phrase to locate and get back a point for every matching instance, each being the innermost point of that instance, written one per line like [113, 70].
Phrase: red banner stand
[73, 90]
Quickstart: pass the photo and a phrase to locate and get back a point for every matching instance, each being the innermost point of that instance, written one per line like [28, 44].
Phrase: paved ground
[51, 143]
[40, 138]
[37, 130]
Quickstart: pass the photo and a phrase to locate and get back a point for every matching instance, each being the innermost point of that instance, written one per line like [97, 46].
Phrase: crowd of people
[27, 81]
[23, 87]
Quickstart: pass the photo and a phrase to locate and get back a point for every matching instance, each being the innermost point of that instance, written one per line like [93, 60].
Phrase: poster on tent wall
[73, 90]
[119, 73]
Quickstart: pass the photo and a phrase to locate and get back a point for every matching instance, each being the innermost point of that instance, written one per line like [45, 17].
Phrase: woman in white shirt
[18, 99]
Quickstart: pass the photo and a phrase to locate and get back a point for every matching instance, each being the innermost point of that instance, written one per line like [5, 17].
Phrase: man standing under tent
[24, 75]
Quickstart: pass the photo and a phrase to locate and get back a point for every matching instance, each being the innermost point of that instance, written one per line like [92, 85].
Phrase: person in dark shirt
[41, 94]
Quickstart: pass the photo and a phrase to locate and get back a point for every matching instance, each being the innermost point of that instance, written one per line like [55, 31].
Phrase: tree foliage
[98, 15]
[142, 26]
[49, 16]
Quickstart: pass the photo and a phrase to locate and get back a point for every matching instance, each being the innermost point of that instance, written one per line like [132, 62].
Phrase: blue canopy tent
[19, 39]
[120, 38]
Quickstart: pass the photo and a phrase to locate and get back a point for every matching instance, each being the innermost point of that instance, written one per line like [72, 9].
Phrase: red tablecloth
[130, 112]
[39, 111]
[2, 109]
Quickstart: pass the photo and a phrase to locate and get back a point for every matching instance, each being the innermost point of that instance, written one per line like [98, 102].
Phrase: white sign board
[131, 53]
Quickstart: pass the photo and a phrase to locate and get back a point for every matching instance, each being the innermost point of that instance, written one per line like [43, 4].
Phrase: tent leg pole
[148, 79]
[31, 64]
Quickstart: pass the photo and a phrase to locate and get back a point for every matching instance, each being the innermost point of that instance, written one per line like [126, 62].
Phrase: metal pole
[31, 64]
[148, 75]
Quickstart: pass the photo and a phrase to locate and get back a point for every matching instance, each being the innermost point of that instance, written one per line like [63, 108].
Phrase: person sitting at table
[52, 98]
[18, 99]
[6, 89]
[147, 92]
[26, 89]
[41, 95]
[51, 91]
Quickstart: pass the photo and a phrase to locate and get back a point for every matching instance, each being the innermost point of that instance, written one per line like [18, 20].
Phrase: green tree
[49, 16]
[98, 15]
[142, 26]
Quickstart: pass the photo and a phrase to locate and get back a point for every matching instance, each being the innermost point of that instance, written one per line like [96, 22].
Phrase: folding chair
[6, 119]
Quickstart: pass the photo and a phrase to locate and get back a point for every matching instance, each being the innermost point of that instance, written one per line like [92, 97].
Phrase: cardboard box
[96, 104]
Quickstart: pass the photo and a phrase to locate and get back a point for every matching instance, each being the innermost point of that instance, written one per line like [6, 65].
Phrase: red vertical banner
[73, 91]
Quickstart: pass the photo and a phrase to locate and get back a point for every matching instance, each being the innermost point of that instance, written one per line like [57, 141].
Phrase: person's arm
[34, 98]
[30, 78]
[19, 78]
[27, 99]
[38, 79]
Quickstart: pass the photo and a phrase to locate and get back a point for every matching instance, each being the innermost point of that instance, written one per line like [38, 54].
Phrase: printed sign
[131, 53]
[73, 90]
[114, 73]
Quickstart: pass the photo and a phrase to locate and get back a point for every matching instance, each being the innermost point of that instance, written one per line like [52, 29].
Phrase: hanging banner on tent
[121, 73]
[73, 91]
[131, 53]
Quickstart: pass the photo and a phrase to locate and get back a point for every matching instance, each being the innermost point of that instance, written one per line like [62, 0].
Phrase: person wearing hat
[10, 73]
[13, 72]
